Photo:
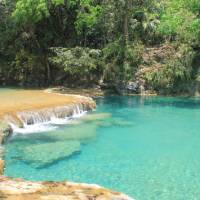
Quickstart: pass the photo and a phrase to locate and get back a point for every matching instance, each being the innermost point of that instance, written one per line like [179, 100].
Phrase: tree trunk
[48, 70]
[128, 7]
[127, 16]
[126, 32]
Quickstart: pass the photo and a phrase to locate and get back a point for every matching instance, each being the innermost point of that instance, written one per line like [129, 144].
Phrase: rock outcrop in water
[24, 190]
[5, 131]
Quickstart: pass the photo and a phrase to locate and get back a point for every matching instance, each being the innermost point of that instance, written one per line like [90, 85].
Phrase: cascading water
[78, 111]
[47, 119]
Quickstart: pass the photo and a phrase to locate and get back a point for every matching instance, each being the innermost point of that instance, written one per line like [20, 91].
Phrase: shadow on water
[35, 138]
[55, 162]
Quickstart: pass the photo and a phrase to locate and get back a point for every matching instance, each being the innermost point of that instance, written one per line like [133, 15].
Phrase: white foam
[44, 126]
[60, 121]
[35, 128]
[78, 113]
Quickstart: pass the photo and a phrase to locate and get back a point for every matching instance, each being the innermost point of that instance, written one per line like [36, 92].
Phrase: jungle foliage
[87, 42]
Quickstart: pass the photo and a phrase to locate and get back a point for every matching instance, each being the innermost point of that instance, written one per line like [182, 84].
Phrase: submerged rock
[120, 122]
[105, 119]
[78, 132]
[25, 190]
[44, 149]
[96, 117]
[40, 155]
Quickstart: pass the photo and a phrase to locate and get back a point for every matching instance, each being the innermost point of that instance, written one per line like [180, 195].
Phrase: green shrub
[173, 73]
[121, 61]
[81, 64]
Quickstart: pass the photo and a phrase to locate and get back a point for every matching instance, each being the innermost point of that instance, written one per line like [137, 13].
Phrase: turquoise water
[148, 148]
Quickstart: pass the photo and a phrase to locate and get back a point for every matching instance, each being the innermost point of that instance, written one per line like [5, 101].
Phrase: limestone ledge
[17, 189]
[28, 101]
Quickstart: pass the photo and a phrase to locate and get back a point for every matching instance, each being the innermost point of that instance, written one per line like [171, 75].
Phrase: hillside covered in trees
[151, 45]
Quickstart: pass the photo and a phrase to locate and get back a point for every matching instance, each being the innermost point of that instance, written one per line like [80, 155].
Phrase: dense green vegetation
[155, 44]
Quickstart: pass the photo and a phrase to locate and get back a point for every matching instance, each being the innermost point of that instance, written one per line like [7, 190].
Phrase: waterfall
[78, 111]
[47, 119]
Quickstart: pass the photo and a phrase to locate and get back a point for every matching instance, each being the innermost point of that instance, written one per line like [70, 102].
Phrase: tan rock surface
[1, 166]
[25, 190]
[5, 131]
[30, 100]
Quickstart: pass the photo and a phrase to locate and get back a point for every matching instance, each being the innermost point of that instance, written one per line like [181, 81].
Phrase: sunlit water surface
[148, 148]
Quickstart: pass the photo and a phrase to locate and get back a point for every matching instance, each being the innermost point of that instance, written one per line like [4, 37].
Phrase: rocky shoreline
[5, 132]
[11, 189]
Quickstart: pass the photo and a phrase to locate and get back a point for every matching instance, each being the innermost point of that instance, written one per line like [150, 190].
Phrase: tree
[180, 20]
[32, 11]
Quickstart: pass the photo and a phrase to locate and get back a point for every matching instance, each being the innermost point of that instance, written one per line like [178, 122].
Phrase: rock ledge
[17, 189]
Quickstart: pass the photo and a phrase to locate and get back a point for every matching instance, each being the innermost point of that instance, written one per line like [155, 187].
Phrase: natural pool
[148, 148]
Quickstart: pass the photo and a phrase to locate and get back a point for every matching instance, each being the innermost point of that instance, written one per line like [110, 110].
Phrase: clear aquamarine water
[148, 148]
